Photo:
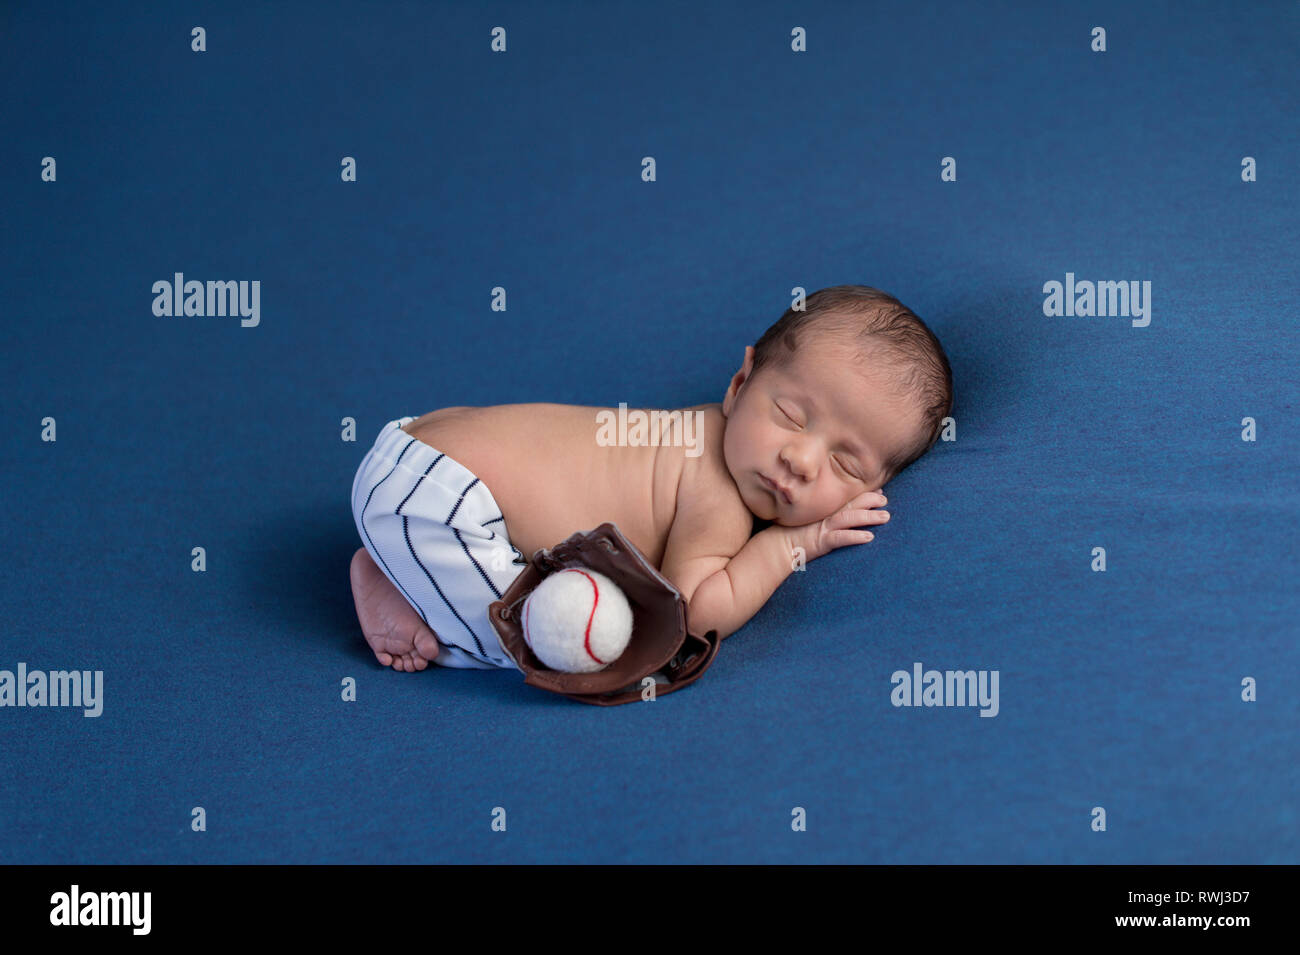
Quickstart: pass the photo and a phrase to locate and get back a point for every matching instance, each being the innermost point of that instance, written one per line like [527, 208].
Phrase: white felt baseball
[577, 621]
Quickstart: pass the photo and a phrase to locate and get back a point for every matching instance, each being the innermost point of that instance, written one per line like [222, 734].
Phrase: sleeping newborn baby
[828, 406]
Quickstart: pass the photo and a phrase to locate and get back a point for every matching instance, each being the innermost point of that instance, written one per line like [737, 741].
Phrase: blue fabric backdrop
[776, 169]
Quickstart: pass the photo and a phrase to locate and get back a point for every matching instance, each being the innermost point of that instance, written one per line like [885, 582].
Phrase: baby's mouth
[772, 486]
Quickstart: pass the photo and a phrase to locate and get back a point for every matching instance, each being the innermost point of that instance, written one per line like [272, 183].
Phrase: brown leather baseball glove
[660, 644]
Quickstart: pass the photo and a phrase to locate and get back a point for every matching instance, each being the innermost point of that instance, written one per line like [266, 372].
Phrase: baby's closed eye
[845, 468]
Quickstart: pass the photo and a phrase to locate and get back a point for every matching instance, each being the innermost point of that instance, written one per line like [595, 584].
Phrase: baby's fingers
[844, 538]
[855, 517]
[869, 499]
[842, 528]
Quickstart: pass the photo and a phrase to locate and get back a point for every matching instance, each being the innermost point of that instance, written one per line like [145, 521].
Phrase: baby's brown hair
[890, 335]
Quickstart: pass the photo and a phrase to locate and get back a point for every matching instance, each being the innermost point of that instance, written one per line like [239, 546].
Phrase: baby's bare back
[552, 478]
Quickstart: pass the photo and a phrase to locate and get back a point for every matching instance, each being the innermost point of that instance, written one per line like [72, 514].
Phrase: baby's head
[833, 401]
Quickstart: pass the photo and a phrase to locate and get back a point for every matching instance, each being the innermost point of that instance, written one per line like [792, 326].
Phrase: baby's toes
[426, 647]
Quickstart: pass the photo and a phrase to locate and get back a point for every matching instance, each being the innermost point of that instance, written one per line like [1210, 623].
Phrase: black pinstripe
[519, 559]
[415, 557]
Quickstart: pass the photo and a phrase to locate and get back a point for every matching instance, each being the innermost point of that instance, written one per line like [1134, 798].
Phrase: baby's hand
[838, 530]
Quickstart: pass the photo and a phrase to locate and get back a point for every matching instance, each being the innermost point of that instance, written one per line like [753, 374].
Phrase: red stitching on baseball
[586, 642]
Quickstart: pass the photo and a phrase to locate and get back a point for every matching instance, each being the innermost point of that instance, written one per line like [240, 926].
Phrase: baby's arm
[724, 593]
[727, 599]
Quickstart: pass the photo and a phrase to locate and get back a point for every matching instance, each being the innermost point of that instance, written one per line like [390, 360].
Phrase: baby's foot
[397, 634]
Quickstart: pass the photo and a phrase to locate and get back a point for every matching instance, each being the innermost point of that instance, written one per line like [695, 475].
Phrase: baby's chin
[764, 510]
[775, 516]
[785, 521]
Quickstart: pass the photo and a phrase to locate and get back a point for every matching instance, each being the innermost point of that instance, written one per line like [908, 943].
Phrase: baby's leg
[392, 627]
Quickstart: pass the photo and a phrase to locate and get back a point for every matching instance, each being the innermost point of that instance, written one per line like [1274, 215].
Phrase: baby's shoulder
[708, 502]
[704, 468]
